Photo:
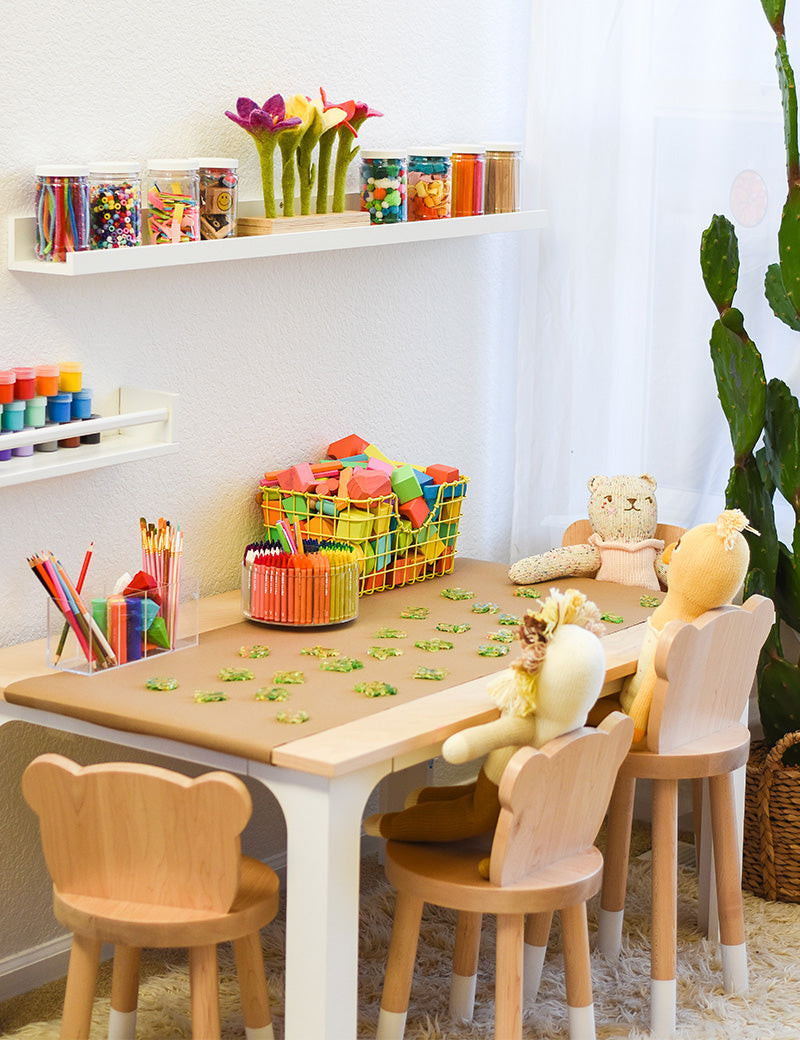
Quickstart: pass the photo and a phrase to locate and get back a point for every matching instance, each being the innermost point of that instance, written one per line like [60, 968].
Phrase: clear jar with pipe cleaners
[173, 200]
[467, 197]
[503, 176]
[219, 179]
[62, 211]
[115, 204]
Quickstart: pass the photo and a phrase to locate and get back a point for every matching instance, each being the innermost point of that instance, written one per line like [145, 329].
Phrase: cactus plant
[764, 417]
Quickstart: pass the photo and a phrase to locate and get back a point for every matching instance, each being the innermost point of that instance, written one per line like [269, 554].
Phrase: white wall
[412, 347]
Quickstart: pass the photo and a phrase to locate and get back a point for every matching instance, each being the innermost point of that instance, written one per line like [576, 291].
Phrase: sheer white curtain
[644, 119]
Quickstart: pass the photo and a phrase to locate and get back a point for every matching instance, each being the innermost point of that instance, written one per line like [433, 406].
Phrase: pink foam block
[369, 483]
[443, 474]
[347, 447]
[416, 510]
[379, 464]
[297, 478]
[328, 487]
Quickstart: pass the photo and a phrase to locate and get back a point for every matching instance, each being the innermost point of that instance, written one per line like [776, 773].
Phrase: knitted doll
[706, 570]
[622, 546]
[546, 692]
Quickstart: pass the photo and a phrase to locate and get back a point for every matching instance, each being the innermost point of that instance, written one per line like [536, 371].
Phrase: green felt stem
[324, 168]
[344, 156]
[288, 149]
[266, 151]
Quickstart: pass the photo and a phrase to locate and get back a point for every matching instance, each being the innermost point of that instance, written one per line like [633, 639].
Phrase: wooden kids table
[321, 771]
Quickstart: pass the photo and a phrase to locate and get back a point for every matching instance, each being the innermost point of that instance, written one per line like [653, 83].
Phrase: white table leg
[323, 836]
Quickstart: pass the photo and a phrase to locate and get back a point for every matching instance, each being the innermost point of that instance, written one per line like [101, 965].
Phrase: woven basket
[771, 854]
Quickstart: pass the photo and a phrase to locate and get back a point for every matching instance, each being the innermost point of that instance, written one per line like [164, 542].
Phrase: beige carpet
[771, 1010]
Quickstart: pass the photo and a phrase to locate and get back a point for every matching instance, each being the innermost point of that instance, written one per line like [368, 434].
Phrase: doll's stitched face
[623, 508]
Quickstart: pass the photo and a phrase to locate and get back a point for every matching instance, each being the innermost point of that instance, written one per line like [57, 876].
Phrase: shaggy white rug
[770, 1011]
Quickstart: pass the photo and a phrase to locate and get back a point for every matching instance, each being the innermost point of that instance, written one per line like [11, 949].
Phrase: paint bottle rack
[21, 256]
[143, 428]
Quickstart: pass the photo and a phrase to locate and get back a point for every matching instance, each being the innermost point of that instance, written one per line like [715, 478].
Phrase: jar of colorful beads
[384, 187]
[467, 197]
[173, 200]
[429, 184]
[115, 205]
[62, 211]
[219, 179]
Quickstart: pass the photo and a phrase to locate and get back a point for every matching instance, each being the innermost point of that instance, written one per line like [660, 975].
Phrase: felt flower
[315, 118]
[345, 153]
[326, 142]
[266, 125]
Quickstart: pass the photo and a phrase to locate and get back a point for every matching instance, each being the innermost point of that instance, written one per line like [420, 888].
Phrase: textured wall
[413, 346]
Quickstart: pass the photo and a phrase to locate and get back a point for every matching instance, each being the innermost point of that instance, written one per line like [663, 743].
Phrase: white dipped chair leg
[581, 1023]
[609, 932]
[465, 965]
[121, 1025]
[734, 968]
[537, 932]
[663, 994]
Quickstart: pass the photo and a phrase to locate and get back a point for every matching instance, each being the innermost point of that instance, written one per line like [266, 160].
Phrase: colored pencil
[79, 586]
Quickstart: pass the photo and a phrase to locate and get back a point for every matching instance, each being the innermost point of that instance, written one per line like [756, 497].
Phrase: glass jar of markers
[115, 205]
[173, 201]
[384, 187]
[62, 211]
[429, 184]
[218, 182]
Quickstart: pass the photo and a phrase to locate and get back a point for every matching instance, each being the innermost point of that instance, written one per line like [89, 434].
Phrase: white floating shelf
[144, 428]
[21, 254]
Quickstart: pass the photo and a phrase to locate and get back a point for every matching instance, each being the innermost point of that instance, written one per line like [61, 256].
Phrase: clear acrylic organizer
[109, 631]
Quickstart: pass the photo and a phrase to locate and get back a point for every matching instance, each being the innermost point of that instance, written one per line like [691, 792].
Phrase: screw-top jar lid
[115, 167]
[61, 171]
[383, 153]
[176, 165]
[215, 163]
[468, 149]
[503, 146]
[434, 152]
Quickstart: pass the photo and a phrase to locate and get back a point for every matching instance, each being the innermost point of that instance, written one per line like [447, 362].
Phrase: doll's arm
[568, 561]
[477, 741]
[662, 570]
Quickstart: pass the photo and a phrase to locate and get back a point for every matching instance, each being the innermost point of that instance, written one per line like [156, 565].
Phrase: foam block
[352, 445]
[354, 524]
[367, 483]
[375, 463]
[442, 474]
[405, 484]
[416, 510]
[297, 478]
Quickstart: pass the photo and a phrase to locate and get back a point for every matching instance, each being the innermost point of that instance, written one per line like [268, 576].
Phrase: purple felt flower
[269, 119]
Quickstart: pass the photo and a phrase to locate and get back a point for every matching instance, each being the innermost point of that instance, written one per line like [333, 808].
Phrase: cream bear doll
[545, 693]
[706, 569]
[622, 546]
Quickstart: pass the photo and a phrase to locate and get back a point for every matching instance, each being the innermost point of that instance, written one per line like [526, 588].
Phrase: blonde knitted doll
[545, 693]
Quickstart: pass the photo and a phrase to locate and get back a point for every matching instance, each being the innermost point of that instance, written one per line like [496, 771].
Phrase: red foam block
[297, 478]
[347, 447]
[369, 483]
[443, 474]
[416, 510]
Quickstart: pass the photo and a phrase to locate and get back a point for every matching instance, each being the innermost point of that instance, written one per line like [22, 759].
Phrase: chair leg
[508, 977]
[253, 987]
[537, 933]
[465, 965]
[84, 960]
[204, 982]
[664, 911]
[124, 993]
[729, 885]
[400, 967]
[615, 867]
[578, 972]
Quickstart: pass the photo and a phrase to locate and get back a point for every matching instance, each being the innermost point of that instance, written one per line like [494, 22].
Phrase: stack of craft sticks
[67, 598]
[162, 555]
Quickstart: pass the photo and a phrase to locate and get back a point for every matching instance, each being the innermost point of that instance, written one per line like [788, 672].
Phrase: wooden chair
[144, 857]
[579, 530]
[704, 673]
[542, 859]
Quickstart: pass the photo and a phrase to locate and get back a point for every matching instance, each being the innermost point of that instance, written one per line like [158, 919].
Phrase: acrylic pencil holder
[111, 630]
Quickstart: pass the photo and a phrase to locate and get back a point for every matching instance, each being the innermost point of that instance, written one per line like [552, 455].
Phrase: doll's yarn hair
[515, 689]
[730, 523]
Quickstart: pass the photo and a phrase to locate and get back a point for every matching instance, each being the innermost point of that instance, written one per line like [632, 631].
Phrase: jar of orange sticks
[466, 199]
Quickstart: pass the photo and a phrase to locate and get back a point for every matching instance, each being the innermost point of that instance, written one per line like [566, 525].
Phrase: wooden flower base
[311, 222]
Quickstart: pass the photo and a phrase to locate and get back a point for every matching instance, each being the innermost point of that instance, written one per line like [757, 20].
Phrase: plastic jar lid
[383, 154]
[15, 406]
[506, 146]
[25, 373]
[176, 165]
[45, 370]
[62, 171]
[36, 402]
[62, 397]
[217, 163]
[115, 167]
[8, 377]
[434, 152]
[468, 149]
[82, 395]
[70, 366]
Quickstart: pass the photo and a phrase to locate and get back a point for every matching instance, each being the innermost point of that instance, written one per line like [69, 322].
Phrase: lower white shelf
[142, 429]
